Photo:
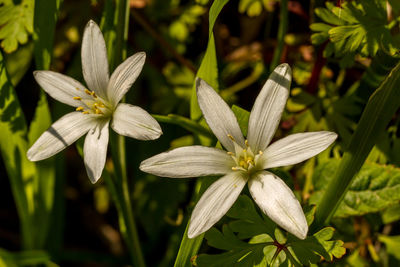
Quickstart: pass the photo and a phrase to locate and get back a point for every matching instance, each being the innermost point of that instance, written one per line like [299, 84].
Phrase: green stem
[123, 199]
[283, 26]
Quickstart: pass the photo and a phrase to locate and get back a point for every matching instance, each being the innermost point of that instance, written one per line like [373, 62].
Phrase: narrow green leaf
[208, 69]
[242, 116]
[185, 123]
[26, 258]
[13, 146]
[44, 22]
[376, 116]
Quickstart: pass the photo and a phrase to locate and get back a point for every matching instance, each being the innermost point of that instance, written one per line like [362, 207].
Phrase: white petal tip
[284, 70]
[300, 231]
[91, 23]
[92, 176]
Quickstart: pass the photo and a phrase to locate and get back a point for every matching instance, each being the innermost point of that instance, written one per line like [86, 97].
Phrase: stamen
[231, 137]
[235, 169]
[260, 152]
[79, 109]
[88, 92]
[77, 98]
[98, 111]
[93, 94]
[230, 153]
[77, 88]
[246, 143]
[85, 112]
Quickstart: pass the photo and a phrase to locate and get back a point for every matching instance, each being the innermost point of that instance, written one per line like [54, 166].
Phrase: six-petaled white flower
[95, 107]
[246, 160]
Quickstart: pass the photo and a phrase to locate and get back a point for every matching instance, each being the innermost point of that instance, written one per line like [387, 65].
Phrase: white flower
[95, 108]
[246, 160]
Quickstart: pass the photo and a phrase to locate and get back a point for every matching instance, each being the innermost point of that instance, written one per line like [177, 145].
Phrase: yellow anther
[93, 94]
[88, 92]
[246, 143]
[235, 185]
[260, 152]
[85, 112]
[98, 111]
[234, 169]
[79, 108]
[231, 137]
[77, 88]
[230, 153]
[77, 98]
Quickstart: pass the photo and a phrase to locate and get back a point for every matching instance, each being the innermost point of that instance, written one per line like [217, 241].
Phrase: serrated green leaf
[374, 188]
[320, 244]
[265, 239]
[16, 23]
[248, 222]
[357, 27]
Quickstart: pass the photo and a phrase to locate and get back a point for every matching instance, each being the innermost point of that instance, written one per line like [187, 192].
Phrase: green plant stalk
[121, 185]
[282, 30]
[375, 118]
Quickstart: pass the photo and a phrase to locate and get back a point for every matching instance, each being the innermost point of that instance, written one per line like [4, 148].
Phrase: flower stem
[128, 224]
[283, 26]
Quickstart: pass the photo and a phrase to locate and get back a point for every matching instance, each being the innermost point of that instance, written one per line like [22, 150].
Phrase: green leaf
[185, 123]
[354, 27]
[374, 188]
[45, 18]
[25, 258]
[392, 244]
[16, 23]
[13, 146]
[374, 120]
[208, 69]
[391, 214]
[242, 116]
[266, 241]
[320, 244]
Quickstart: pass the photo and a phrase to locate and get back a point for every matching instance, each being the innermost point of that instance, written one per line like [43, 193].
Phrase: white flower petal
[216, 202]
[61, 134]
[124, 76]
[94, 59]
[218, 116]
[277, 201]
[296, 148]
[189, 161]
[135, 122]
[268, 108]
[95, 150]
[61, 87]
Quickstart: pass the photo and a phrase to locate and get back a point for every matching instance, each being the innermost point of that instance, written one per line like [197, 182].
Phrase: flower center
[244, 158]
[91, 103]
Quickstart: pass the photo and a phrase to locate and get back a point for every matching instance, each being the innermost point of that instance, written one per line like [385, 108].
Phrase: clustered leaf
[375, 188]
[267, 245]
[354, 27]
[16, 23]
